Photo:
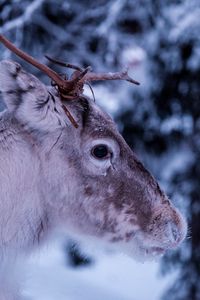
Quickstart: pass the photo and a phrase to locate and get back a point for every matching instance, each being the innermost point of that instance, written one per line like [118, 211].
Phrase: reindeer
[63, 162]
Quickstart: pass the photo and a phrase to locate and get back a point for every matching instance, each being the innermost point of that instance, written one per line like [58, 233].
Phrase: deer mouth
[155, 251]
[148, 251]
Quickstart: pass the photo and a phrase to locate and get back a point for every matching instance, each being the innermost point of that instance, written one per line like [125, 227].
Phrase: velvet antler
[70, 88]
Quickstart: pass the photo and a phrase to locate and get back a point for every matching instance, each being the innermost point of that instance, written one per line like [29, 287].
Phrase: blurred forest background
[160, 43]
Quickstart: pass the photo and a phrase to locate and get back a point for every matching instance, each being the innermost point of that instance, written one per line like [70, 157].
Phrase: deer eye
[100, 151]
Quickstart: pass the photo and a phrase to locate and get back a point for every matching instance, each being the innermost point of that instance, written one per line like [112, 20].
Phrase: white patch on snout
[130, 238]
[125, 224]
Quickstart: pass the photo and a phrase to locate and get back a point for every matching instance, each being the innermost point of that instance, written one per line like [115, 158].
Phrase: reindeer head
[90, 179]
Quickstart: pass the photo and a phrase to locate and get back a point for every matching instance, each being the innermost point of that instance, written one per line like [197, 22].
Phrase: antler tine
[73, 88]
[79, 77]
[63, 64]
[109, 76]
[53, 75]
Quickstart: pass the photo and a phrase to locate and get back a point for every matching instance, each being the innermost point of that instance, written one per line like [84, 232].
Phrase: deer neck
[23, 219]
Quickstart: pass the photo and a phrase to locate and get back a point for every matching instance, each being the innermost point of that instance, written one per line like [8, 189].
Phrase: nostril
[175, 232]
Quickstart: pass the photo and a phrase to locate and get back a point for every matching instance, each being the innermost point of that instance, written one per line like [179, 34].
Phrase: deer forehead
[100, 127]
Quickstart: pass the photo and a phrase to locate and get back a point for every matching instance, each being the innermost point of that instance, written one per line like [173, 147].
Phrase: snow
[113, 276]
[183, 123]
[113, 11]
[21, 20]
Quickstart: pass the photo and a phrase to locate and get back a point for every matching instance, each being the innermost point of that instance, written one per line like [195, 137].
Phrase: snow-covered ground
[112, 276]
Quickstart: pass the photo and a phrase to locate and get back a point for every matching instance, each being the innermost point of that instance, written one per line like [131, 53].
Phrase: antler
[70, 88]
[94, 76]
[109, 76]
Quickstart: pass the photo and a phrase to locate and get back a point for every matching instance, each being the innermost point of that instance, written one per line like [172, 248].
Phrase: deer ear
[31, 102]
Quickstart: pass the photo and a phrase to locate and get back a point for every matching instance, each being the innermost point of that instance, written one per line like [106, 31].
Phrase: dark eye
[100, 151]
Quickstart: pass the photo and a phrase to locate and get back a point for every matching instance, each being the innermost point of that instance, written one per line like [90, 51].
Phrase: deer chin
[153, 252]
[146, 249]
[141, 249]
[145, 253]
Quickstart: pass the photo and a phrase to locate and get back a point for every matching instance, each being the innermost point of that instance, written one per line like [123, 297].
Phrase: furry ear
[29, 100]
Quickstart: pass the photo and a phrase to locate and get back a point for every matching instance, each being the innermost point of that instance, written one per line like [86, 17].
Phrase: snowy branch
[21, 20]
